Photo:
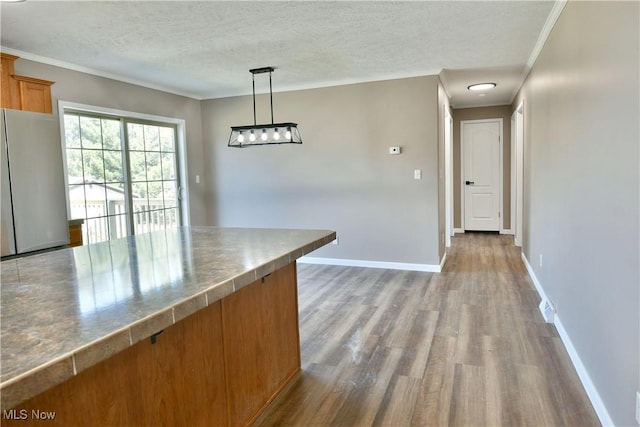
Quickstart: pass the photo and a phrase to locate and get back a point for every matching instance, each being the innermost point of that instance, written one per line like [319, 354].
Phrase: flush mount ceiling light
[267, 134]
[481, 86]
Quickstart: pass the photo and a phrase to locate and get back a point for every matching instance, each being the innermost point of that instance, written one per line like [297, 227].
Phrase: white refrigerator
[34, 206]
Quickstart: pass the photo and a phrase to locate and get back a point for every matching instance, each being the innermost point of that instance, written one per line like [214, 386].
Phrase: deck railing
[106, 220]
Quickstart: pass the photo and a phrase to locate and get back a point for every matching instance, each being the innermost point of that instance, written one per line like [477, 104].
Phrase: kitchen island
[187, 326]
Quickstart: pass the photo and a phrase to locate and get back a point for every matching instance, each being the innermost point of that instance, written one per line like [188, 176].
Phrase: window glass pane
[154, 168]
[93, 161]
[74, 165]
[116, 191]
[139, 193]
[77, 201]
[95, 230]
[96, 200]
[113, 166]
[168, 166]
[151, 138]
[171, 217]
[117, 226]
[90, 132]
[167, 143]
[169, 193]
[154, 189]
[135, 135]
[111, 135]
[72, 130]
[138, 167]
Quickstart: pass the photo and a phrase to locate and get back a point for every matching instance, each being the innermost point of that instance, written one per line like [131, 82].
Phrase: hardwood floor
[467, 346]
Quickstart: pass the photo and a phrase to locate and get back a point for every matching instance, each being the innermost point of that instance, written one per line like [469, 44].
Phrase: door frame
[517, 172]
[501, 172]
[448, 183]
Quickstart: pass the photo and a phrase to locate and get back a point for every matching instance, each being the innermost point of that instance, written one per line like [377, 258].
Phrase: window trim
[181, 149]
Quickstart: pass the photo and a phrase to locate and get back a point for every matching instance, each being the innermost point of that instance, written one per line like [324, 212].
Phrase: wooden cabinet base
[261, 345]
[75, 235]
[220, 366]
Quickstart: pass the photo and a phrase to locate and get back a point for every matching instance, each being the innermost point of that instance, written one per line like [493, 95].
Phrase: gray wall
[581, 109]
[88, 89]
[342, 176]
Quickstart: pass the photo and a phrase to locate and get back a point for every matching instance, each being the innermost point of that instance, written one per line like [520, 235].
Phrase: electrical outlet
[417, 174]
[638, 407]
[335, 242]
[394, 150]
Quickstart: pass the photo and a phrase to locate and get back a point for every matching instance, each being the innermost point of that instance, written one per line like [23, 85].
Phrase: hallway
[467, 346]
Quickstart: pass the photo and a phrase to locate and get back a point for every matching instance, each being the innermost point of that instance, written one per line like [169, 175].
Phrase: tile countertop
[64, 311]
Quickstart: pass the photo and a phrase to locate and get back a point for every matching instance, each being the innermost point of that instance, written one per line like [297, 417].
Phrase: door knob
[469, 182]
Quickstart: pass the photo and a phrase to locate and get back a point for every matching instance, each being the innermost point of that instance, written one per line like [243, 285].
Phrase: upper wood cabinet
[21, 92]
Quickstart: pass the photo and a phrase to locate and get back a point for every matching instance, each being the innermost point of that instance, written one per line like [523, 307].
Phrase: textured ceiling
[205, 49]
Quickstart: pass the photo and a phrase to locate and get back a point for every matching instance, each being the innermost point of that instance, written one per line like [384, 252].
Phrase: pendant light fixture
[266, 134]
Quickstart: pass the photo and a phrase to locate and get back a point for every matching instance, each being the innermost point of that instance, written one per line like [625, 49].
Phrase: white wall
[342, 177]
[581, 115]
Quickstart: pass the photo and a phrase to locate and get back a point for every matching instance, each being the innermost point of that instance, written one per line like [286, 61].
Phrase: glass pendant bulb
[276, 135]
[264, 135]
[241, 138]
[288, 134]
[252, 136]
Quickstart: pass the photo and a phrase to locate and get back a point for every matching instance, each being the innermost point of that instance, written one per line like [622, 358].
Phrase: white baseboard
[458, 230]
[583, 374]
[431, 268]
[534, 279]
[443, 261]
[506, 231]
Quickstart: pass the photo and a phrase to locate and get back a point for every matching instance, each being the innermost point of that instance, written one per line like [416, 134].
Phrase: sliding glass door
[122, 175]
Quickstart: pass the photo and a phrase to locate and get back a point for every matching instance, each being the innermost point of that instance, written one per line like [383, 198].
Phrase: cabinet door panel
[261, 342]
[35, 97]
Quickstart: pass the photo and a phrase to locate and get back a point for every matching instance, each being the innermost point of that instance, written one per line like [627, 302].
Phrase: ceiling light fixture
[481, 86]
[269, 133]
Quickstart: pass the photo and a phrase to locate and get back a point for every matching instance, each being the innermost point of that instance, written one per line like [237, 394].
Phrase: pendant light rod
[271, 97]
[261, 71]
[253, 76]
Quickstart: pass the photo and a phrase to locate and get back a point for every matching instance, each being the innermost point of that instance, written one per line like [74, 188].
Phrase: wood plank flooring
[466, 347]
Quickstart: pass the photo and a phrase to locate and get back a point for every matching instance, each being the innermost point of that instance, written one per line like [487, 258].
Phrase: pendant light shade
[264, 134]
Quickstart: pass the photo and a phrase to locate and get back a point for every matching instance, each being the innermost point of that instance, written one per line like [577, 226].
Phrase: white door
[481, 174]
